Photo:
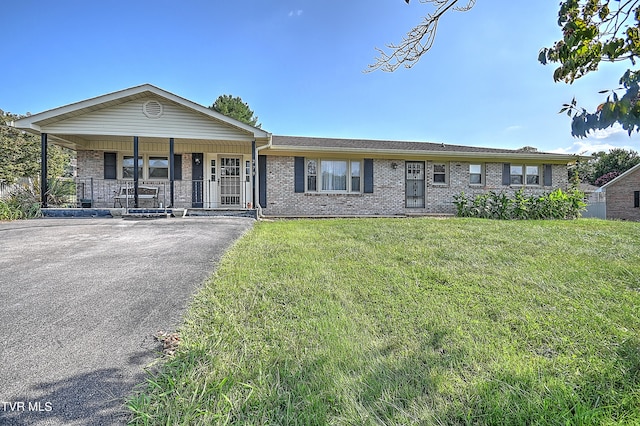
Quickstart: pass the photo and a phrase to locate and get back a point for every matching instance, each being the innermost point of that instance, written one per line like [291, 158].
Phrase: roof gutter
[417, 153]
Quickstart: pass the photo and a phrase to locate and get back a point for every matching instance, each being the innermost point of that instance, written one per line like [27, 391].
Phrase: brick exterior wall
[92, 185]
[388, 197]
[619, 197]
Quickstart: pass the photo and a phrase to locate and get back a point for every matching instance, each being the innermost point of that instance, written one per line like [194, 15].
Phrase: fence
[596, 206]
[5, 189]
[208, 194]
[103, 193]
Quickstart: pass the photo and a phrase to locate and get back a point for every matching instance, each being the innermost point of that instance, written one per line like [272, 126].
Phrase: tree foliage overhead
[595, 31]
[235, 108]
[419, 39]
[20, 153]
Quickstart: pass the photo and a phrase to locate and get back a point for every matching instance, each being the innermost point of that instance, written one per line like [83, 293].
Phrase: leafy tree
[605, 166]
[616, 161]
[419, 39]
[234, 107]
[20, 153]
[595, 31]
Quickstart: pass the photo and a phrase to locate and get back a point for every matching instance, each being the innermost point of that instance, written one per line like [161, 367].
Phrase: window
[158, 168]
[517, 175]
[127, 167]
[312, 175]
[151, 167]
[636, 199]
[533, 175]
[475, 174]
[213, 170]
[334, 175]
[355, 176]
[439, 173]
[521, 174]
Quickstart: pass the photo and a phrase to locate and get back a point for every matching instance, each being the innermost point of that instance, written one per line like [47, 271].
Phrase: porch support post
[135, 172]
[254, 170]
[43, 171]
[171, 169]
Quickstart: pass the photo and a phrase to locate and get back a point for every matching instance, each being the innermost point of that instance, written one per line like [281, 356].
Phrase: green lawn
[411, 321]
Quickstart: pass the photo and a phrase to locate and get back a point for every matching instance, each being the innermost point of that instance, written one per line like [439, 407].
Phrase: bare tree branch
[417, 41]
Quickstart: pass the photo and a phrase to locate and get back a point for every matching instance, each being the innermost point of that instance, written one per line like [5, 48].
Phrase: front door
[230, 181]
[415, 184]
[197, 184]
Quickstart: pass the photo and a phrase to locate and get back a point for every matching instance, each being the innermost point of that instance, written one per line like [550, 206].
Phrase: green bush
[491, 205]
[8, 211]
[21, 203]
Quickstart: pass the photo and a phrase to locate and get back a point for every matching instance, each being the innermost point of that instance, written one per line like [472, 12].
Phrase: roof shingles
[367, 144]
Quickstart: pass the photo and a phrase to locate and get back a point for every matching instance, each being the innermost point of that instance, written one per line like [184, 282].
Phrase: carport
[188, 155]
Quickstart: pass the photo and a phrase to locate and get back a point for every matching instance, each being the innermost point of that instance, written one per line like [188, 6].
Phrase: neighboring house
[194, 157]
[623, 195]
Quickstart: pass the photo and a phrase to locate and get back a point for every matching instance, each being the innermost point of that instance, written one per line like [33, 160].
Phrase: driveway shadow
[92, 398]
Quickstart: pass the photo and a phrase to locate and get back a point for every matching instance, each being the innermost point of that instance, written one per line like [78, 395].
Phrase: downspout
[257, 152]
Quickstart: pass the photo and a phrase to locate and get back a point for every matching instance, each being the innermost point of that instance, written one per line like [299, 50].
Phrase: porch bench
[128, 192]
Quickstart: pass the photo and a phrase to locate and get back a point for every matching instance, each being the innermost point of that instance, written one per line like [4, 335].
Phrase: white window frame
[350, 168]
[537, 175]
[122, 159]
[525, 175]
[482, 178]
[446, 173]
[145, 166]
[148, 166]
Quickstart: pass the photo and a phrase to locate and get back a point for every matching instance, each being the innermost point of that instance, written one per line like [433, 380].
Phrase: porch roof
[145, 111]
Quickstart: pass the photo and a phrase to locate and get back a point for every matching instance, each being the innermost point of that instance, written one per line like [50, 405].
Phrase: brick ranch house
[622, 196]
[145, 139]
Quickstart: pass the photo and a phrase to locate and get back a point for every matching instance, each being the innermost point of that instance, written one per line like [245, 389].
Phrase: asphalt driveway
[80, 302]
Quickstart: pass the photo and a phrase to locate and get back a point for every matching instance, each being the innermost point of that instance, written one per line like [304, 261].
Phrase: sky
[300, 64]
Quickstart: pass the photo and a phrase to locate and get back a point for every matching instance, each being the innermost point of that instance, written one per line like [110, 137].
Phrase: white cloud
[512, 129]
[589, 146]
[294, 13]
[602, 140]
[608, 132]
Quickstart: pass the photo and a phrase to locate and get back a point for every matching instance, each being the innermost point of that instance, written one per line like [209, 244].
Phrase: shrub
[553, 205]
[23, 202]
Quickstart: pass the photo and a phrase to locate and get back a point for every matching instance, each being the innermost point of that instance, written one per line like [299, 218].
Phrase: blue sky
[299, 65]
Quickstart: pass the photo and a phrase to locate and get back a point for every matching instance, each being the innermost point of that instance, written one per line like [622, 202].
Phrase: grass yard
[411, 321]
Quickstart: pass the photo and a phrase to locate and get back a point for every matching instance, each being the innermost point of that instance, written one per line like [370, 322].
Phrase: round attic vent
[152, 109]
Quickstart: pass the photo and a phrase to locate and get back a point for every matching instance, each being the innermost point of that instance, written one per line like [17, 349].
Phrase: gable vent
[152, 109]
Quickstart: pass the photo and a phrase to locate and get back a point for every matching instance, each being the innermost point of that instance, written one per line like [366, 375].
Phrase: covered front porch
[147, 148]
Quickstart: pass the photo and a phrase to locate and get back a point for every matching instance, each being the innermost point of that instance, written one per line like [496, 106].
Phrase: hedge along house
[192, 157]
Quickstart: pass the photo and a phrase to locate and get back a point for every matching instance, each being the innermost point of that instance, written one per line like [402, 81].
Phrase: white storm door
[230, 181]
[211, 183]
